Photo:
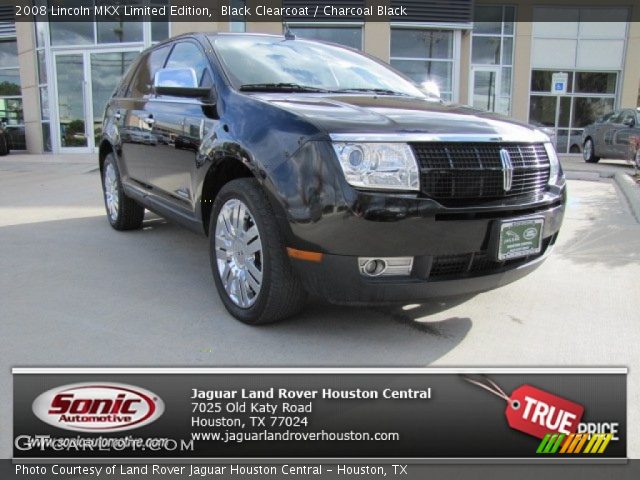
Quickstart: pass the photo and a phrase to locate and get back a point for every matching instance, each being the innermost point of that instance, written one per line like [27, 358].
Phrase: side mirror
[180, 82]
[629, 122]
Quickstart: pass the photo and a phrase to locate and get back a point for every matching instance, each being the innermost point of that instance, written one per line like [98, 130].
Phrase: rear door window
[147, 68]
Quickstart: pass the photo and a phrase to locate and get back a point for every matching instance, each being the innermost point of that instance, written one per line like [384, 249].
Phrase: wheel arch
[220, 173]
[105, 149]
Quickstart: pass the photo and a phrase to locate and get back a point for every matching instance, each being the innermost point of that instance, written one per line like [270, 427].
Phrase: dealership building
[534, 60]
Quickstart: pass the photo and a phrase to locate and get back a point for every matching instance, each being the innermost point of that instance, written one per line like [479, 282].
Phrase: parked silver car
[615, 135]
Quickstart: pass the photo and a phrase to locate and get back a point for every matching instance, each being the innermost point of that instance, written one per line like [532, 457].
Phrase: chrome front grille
[464, 171]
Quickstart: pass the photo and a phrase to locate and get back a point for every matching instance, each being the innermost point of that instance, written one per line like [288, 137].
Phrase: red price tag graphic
[537, 412]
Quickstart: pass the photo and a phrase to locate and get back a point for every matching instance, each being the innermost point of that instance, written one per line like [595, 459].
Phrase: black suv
[316, 168]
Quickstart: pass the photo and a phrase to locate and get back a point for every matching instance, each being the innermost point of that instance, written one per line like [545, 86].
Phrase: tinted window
[147, 68]
[188, 55]
[628, 115]
[596, 82]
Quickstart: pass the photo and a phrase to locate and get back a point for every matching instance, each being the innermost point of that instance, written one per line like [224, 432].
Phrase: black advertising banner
[532, 414]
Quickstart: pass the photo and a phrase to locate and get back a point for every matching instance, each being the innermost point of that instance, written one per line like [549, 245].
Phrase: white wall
[570, 38]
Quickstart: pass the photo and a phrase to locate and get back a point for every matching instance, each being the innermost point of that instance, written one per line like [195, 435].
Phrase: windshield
[256, 63]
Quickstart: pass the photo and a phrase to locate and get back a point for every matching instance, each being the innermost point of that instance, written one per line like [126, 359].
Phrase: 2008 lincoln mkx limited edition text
[314, 168]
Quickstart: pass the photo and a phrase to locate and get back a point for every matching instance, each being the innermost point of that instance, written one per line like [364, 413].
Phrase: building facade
[55, 78]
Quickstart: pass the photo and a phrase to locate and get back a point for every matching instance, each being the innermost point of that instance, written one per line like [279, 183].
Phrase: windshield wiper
[378, 91]
[279, 87]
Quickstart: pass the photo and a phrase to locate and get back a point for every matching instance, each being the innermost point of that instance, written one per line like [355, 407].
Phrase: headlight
[388, 166]
[553, 160]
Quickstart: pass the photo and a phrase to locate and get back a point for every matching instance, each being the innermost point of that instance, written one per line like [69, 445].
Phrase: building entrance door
[84, 83]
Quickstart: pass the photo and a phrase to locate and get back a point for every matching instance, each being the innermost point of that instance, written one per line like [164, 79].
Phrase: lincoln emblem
[507, 169]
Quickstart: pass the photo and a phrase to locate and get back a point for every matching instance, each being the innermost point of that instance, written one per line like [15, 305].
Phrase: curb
[631, 191]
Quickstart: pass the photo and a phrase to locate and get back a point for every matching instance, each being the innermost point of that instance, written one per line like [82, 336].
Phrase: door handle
[150, 120]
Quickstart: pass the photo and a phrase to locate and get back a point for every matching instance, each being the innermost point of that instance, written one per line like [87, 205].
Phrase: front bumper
[337, 279]
[454, 259]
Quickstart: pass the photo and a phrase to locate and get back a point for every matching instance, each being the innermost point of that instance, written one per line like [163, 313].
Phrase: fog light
[374, 267]
[386, 266]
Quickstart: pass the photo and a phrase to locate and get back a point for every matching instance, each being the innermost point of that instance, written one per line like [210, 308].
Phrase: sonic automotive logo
[98, 407]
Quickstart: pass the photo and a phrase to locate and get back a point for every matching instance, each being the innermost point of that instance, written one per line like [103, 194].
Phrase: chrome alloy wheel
[239, 253]
[111, 192]
[588, 147]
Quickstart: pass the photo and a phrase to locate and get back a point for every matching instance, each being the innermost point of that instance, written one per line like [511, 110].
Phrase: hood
[360, 114]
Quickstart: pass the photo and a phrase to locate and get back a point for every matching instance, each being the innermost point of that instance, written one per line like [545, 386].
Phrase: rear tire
[588, 152]
[251, 270]
[123, 212]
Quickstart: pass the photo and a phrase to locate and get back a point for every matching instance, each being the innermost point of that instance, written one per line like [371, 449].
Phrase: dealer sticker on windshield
[520, 238]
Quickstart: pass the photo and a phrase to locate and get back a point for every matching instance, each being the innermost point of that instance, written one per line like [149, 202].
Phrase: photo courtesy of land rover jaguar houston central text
[314, 168]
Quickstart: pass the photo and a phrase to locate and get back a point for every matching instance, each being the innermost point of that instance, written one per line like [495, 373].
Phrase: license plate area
[519, 237]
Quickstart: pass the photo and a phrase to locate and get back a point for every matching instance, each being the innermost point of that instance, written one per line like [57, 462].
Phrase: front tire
[251, 270]
[588, 152]
[123, 212]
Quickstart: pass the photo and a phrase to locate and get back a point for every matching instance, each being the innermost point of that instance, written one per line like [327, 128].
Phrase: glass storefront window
[46, 137]
[507, 51]
[347, 36]
[587, 109]
[71, 33]
[44, 103]
[11, 109]
[10, 91]
[425, 56]
[596, 82]
[541, 81]
[159, 31]
[593, 97]
[119, 31]
[431, 44]
[42, 67]
[508, 20]
[9, 54]
[40, 32]
[488, 20]
[486, 50]
[10, 82]
[71, 105]
[505, 85]
[492, 57]
[421, 71]
[542, 110]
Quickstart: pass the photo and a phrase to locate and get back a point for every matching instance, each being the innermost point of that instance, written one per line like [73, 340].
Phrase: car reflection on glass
[615, 135]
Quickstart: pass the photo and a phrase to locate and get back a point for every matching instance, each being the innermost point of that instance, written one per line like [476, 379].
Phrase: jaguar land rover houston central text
[314, 168]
